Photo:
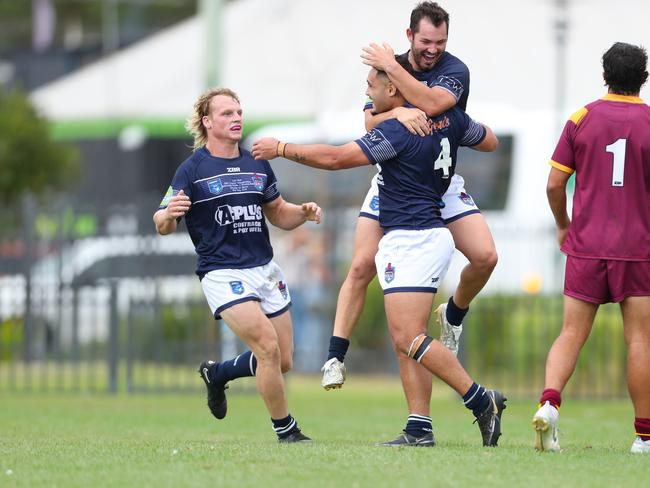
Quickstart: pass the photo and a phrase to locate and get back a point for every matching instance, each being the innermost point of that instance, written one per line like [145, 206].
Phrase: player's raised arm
[433, 101]
[321, 156]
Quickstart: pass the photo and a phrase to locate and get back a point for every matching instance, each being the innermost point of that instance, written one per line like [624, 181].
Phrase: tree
[29, 160]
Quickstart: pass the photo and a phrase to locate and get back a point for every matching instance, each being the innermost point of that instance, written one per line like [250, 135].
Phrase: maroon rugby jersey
[607, 144]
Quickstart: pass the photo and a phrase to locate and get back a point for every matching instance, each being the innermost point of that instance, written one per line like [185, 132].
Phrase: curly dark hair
[432, 11]
[624, 68]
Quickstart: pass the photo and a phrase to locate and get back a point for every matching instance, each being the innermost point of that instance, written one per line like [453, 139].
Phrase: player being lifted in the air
[415, 251]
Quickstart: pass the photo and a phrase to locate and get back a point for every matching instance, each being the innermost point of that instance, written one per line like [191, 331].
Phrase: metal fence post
[113, 339]
[29, 216]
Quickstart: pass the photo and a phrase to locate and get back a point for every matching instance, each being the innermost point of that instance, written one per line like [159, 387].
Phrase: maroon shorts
[604, 280]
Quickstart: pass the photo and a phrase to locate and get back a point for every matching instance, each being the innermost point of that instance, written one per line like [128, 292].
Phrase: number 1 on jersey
[618, 150]
[444, 161]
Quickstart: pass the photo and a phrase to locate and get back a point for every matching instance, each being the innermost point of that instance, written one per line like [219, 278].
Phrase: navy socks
[476, 399]
[454, 314]
[338, 348]
[239, 367]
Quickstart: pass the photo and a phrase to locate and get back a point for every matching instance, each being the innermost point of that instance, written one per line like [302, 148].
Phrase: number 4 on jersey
[444, 161]
[618, 150]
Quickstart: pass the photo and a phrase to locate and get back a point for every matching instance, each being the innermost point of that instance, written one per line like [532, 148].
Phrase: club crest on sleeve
[237, 287]
[389, 273]
[466, 199]
[215, 186]
[374, 203]
[283, 289]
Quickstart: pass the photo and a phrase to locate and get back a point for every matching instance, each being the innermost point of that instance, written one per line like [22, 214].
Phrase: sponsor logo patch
[227, 214]
[237, 287]
[440, 123]
[452, 84]
[389, 273]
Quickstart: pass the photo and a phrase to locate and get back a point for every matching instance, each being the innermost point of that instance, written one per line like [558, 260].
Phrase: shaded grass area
[171, 440]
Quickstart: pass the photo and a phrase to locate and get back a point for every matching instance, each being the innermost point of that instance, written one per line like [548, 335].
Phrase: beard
[422, 63]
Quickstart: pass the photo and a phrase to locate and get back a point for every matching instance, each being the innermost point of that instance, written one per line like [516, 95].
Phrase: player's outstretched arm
[288, 216]
[556, 194]
[166, 218]
[321, 156]
[433, 101]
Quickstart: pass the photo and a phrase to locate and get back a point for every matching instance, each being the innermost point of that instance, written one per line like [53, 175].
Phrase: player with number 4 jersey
[416, 247]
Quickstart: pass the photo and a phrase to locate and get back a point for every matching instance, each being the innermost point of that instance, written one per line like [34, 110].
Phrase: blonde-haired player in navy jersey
[607, 240]
[225, 197]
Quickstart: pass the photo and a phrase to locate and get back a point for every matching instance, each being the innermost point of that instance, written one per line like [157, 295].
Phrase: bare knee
[362, 270]
[574, 335]
[401, 342]
[267, 350]
[486, 260]
[414, 347]
[286, 363]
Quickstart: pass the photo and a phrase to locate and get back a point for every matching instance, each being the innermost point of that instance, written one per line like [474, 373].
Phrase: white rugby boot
[333, 374]
[449, 334]
[639, 446]
[545, 425]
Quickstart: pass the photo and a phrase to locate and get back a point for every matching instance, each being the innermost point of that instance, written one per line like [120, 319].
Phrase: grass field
[165, 440]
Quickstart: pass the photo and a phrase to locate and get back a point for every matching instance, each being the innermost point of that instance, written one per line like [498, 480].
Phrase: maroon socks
[551, 396]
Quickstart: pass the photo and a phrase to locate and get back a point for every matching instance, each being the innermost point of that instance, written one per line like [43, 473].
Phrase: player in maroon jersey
[607, 239]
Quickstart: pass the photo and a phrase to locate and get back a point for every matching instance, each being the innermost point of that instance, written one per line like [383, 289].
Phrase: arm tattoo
[300, 158]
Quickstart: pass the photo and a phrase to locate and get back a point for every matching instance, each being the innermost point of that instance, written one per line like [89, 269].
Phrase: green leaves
[29, 159]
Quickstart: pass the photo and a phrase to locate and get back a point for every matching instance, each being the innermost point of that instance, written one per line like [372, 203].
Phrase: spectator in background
[303, 255]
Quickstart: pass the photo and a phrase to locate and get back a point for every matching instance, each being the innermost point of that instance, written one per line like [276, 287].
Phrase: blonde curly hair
[194, 124]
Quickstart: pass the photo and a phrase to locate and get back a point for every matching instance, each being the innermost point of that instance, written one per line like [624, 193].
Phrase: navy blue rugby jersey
[449, 73]
[225, 220]
[415, 171]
